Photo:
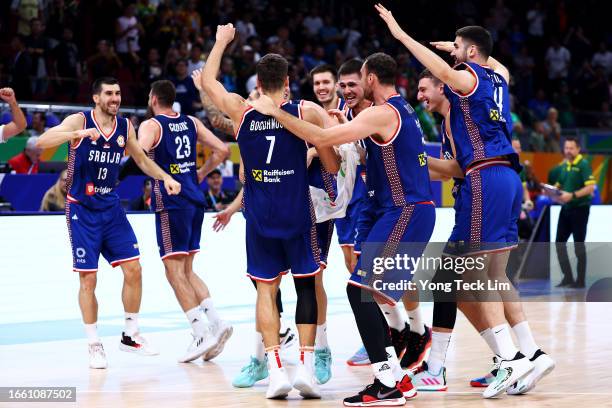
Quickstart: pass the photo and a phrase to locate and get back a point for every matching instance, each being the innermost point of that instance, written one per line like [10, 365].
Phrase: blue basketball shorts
[179, 231]
[95, 232]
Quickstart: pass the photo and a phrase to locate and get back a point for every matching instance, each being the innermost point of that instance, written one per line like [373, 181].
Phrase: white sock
[194, 316]
[525, 338]
[437, 355]
[306, 356]
[416, 321]
[274, 361]
[208, 307]
[398, 373]
[91, 330]
[384, 373]
[321, 338]
[131, 324]
[260, 351]
[503, 338]
[487, 335]
[395, 315]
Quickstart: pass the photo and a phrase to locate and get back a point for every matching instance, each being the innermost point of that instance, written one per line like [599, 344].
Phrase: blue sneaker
[360, 358]
[251, 373]
[322, 363]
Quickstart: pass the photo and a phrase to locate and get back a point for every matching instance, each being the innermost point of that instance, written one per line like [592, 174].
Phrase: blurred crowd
[557, 50]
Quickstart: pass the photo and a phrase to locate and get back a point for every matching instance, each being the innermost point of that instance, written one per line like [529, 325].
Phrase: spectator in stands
[190, 17]
[537, 140]
[37, 127]
[313, 22]
[39, 48]
[603, 58]
[127, 32]
[55, 198]
[552, 131]
[186, 93]
[143, 202]
[228, 75]
[25, 11]
[523, 73]
[557, 62]
[195, 58]
[21, 68]
[104, 63]
[67, 67]
[217, 199]
[153, 69]
[539, 105]
[227, 166]
[27, 161]
[18, 121]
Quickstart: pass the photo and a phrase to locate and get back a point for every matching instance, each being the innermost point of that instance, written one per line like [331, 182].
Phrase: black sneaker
[565, 282]
[416, 350]
[376, 394]
[399, 339]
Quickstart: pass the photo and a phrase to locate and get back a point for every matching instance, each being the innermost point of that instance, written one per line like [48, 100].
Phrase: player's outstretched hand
[7, 95]
[91, 133]
[446, 46]
[173, 187]
[338, 115]
[261, 103]
[196, 76]
[222, 219]
[387, 16]
[225, 33]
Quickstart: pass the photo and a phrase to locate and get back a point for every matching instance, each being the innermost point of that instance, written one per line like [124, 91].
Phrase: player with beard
[398, 211]
[170, 140]
[96, 221]
[481, 124]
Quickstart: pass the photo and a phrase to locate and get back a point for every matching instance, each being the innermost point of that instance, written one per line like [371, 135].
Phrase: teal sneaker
[322, 363]
[251, 373]
[360, 358]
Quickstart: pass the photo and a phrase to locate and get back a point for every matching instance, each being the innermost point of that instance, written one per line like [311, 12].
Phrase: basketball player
[96, 222]
[170, 140]
[406, 337]
[491, 190]
[432, 375]
[18, 120]
[398, 211]
[280, 231]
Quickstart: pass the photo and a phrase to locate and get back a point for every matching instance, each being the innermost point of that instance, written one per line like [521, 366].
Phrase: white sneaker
[543, 366]
[199, 347]
[221, 331]
[97, 357]
[136, 344]
[306, 383]
[508, 372]
[279, 385]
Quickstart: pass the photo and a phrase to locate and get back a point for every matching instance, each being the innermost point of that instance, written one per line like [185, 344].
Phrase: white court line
[328, 391]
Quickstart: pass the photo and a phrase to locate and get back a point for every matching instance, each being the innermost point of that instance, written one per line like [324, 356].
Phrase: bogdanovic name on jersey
[268, 124]
[104, 157]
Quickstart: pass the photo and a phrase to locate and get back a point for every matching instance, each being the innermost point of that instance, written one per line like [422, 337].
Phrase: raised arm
[495, 65]
[148, 166]
[216, 117]
[219, 149]
[376, 120]
[230, 103]
[18, 122]
[70, 130]
[461, 81]
[317, 116]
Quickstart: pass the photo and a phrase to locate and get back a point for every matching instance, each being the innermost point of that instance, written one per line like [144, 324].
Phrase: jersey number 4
[183, 147]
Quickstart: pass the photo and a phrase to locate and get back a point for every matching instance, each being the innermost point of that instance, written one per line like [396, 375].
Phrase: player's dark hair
[478, 36]
[272, 72]
[352, 66]
[96, 87]
[572, 139]
[427, 74]
[165, 92]
[383, 66]
[319, 69]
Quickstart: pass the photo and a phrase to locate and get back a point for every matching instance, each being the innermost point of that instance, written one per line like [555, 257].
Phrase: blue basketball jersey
[397, 169]
[175, 153]
[480, 121]
[93, 167]
[276, 195]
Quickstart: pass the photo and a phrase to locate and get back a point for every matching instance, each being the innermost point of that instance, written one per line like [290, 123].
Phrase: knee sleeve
[306, 308]
[445, 303]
